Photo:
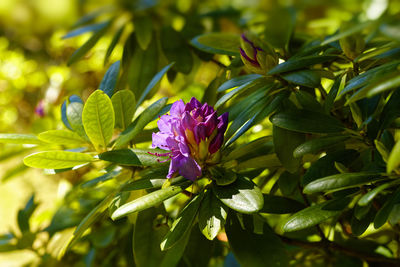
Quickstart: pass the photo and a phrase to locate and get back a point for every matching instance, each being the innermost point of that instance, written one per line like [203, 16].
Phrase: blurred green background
[33, 72]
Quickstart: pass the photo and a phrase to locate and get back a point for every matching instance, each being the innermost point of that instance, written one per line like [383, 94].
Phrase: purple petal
[200, 132]
[195, 103]
[184, 149]
[216, 143]
[223, 122]
[211, 122]
[160, 140]
[177, 108]
[174, 165]
[187, 121]
[189, 168]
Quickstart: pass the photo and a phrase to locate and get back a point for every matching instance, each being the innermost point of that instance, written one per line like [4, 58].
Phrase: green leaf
[212, 216]
[143, 65]
[98, 118]
[153, 82]
[368, 197]
[150, 200]
[383, 213]
[113, 43]
[382, 84]
[174, 254]
[316, 145]
[182, 224]
[246, 148]
[279, 26]
[56, 159]
[300, 63]
[242, 195]
[280, 205]
[87, 222]
[308, 101]
[285, 141]
[102, 178]
[177, 51]
[124, 103]
[19, 139]
[238, 81]
[61, 137]
[350, 31]
[341, 181]
[137, 126]
[81, 51]
[394, 158]
[218, 43]
[306, 122]
[255, 250]
[74, 115]
[306, 78]
[144, 30]
[110, 79]
[152, 183]
[133, 157]
[147, 237]
[85, 29]
[308, 217]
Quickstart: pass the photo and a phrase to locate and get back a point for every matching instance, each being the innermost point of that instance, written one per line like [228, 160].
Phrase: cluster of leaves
[331, 159]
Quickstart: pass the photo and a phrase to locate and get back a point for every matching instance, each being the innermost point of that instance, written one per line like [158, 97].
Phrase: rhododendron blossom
[193, 134]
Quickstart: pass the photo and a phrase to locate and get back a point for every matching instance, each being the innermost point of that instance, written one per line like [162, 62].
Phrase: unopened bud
[256, 55]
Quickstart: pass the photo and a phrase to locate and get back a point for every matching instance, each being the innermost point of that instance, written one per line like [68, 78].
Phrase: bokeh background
[35, 77]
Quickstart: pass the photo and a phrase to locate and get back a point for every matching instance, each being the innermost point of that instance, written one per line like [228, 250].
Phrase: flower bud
[256, 55]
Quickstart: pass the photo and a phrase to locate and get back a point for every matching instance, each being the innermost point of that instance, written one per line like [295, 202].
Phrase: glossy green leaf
[307, 78]
[394, 158]
[316, 145]
[144, 30]
[137, 126]
[218, 43]
[143, 65]
[74, 115]
[156, 79]
[98, 118]
[256, 250]
[182, 224]
[279, 26]
[238, 81]
[384, 83]
[149, 200]
[300, 63]
[280, 205]
[306, 122]
[285, 141]
[19, 139]
[152, 183]
[61, 137]
[174, 254]
[110, 79]
[356, 28]
[57, 159]
[177, 51]
[147, 237]
[308, 101]
[308, 217]
[124, 103]
[247, 148]
[341, 181]
[84, 29]
[133, 157]
[101, 179]
[113, 43]
[212, 215]
[81, 51]
[242, 195]
[368, 197]
[87, 222]
[384, 212]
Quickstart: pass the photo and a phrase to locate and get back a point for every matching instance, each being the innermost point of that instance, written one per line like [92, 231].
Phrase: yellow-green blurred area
[33, 70]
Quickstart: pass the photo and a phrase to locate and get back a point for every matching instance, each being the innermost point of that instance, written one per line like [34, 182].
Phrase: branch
[336, 247]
